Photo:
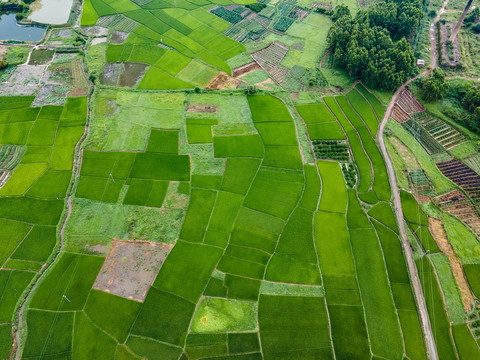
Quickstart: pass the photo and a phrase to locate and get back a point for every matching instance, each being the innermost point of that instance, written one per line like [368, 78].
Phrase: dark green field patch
[245, 238]
[11, 235]
[258, 223]
[333, 244]
[153, 350]
[42, 132]
[236, 266]
[383, 213]
[199, 131]
[467, 348]
[198, 214]
[116, 165]
[64, 147]
[71, 277]
[99, 188]
[24, 114]
[315, 113]
[277, 133]
[436, 309]
[294, 325]
[334, 194]
[243, 342]
[382, 322]
[36, 154]
[12, 285]
[50, 112]
[74, 112]
[393, 253]
[241, 288]
[343, 297]
[37, 245]
[295, 258]
[238, 146]
[349, 333]
[103, 309]
[266, 108]
[161, 167]
[472, 272]
[187, 269]
[225, 212]
[412, 334]
[6, 340]
[206, 345]
[212, 182]
[239, 173]
[163, 141]
[48, 333]
[35, 211]
[51, 185]
[325, 131]
[164, 317]
[283, 157]
[90, 342]
[274, 197]
[146, 193]
[311, 193]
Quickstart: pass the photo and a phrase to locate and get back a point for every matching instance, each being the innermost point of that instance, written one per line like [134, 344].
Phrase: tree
[365, 49]
[3, 64]
[471, 101]
[341, 11]
[434, 87]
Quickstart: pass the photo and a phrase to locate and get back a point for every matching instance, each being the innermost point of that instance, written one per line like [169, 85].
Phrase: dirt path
[419, 297]
[440, 236]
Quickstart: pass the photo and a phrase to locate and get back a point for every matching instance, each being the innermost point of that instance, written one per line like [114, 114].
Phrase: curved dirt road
[417, 287]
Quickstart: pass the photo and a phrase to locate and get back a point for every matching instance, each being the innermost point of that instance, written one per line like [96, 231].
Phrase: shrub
[257, 7]
[3, 64]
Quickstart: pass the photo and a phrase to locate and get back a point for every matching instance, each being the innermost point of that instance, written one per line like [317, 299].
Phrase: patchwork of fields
[179, 181]
[265, 238]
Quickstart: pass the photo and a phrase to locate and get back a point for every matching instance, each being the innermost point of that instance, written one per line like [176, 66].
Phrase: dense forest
[372, 45]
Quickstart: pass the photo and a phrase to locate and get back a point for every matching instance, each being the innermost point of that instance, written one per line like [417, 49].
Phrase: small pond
[55, 12]
[10, 30]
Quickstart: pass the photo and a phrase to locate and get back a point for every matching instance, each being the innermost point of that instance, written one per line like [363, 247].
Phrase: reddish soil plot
[202, 108]
[131, 267]
[245, 69]
[223, 81]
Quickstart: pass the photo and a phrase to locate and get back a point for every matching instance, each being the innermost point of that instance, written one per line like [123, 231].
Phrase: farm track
[419, 296]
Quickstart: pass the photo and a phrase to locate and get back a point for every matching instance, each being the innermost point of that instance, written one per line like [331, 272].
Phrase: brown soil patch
[202, 108]
[3, 51]
[405, 153]
[244, 69]
[294, 96]
[131, 267]
[81, 85]
[440, 236]
[222, 81]
[421, 198]
[132, 74]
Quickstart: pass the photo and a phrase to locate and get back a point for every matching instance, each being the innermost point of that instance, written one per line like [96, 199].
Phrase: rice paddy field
[185, 179]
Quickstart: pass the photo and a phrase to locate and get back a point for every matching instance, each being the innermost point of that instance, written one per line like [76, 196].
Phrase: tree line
[372, 46]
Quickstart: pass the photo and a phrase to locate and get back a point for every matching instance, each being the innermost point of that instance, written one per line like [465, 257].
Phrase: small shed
[420, 63]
